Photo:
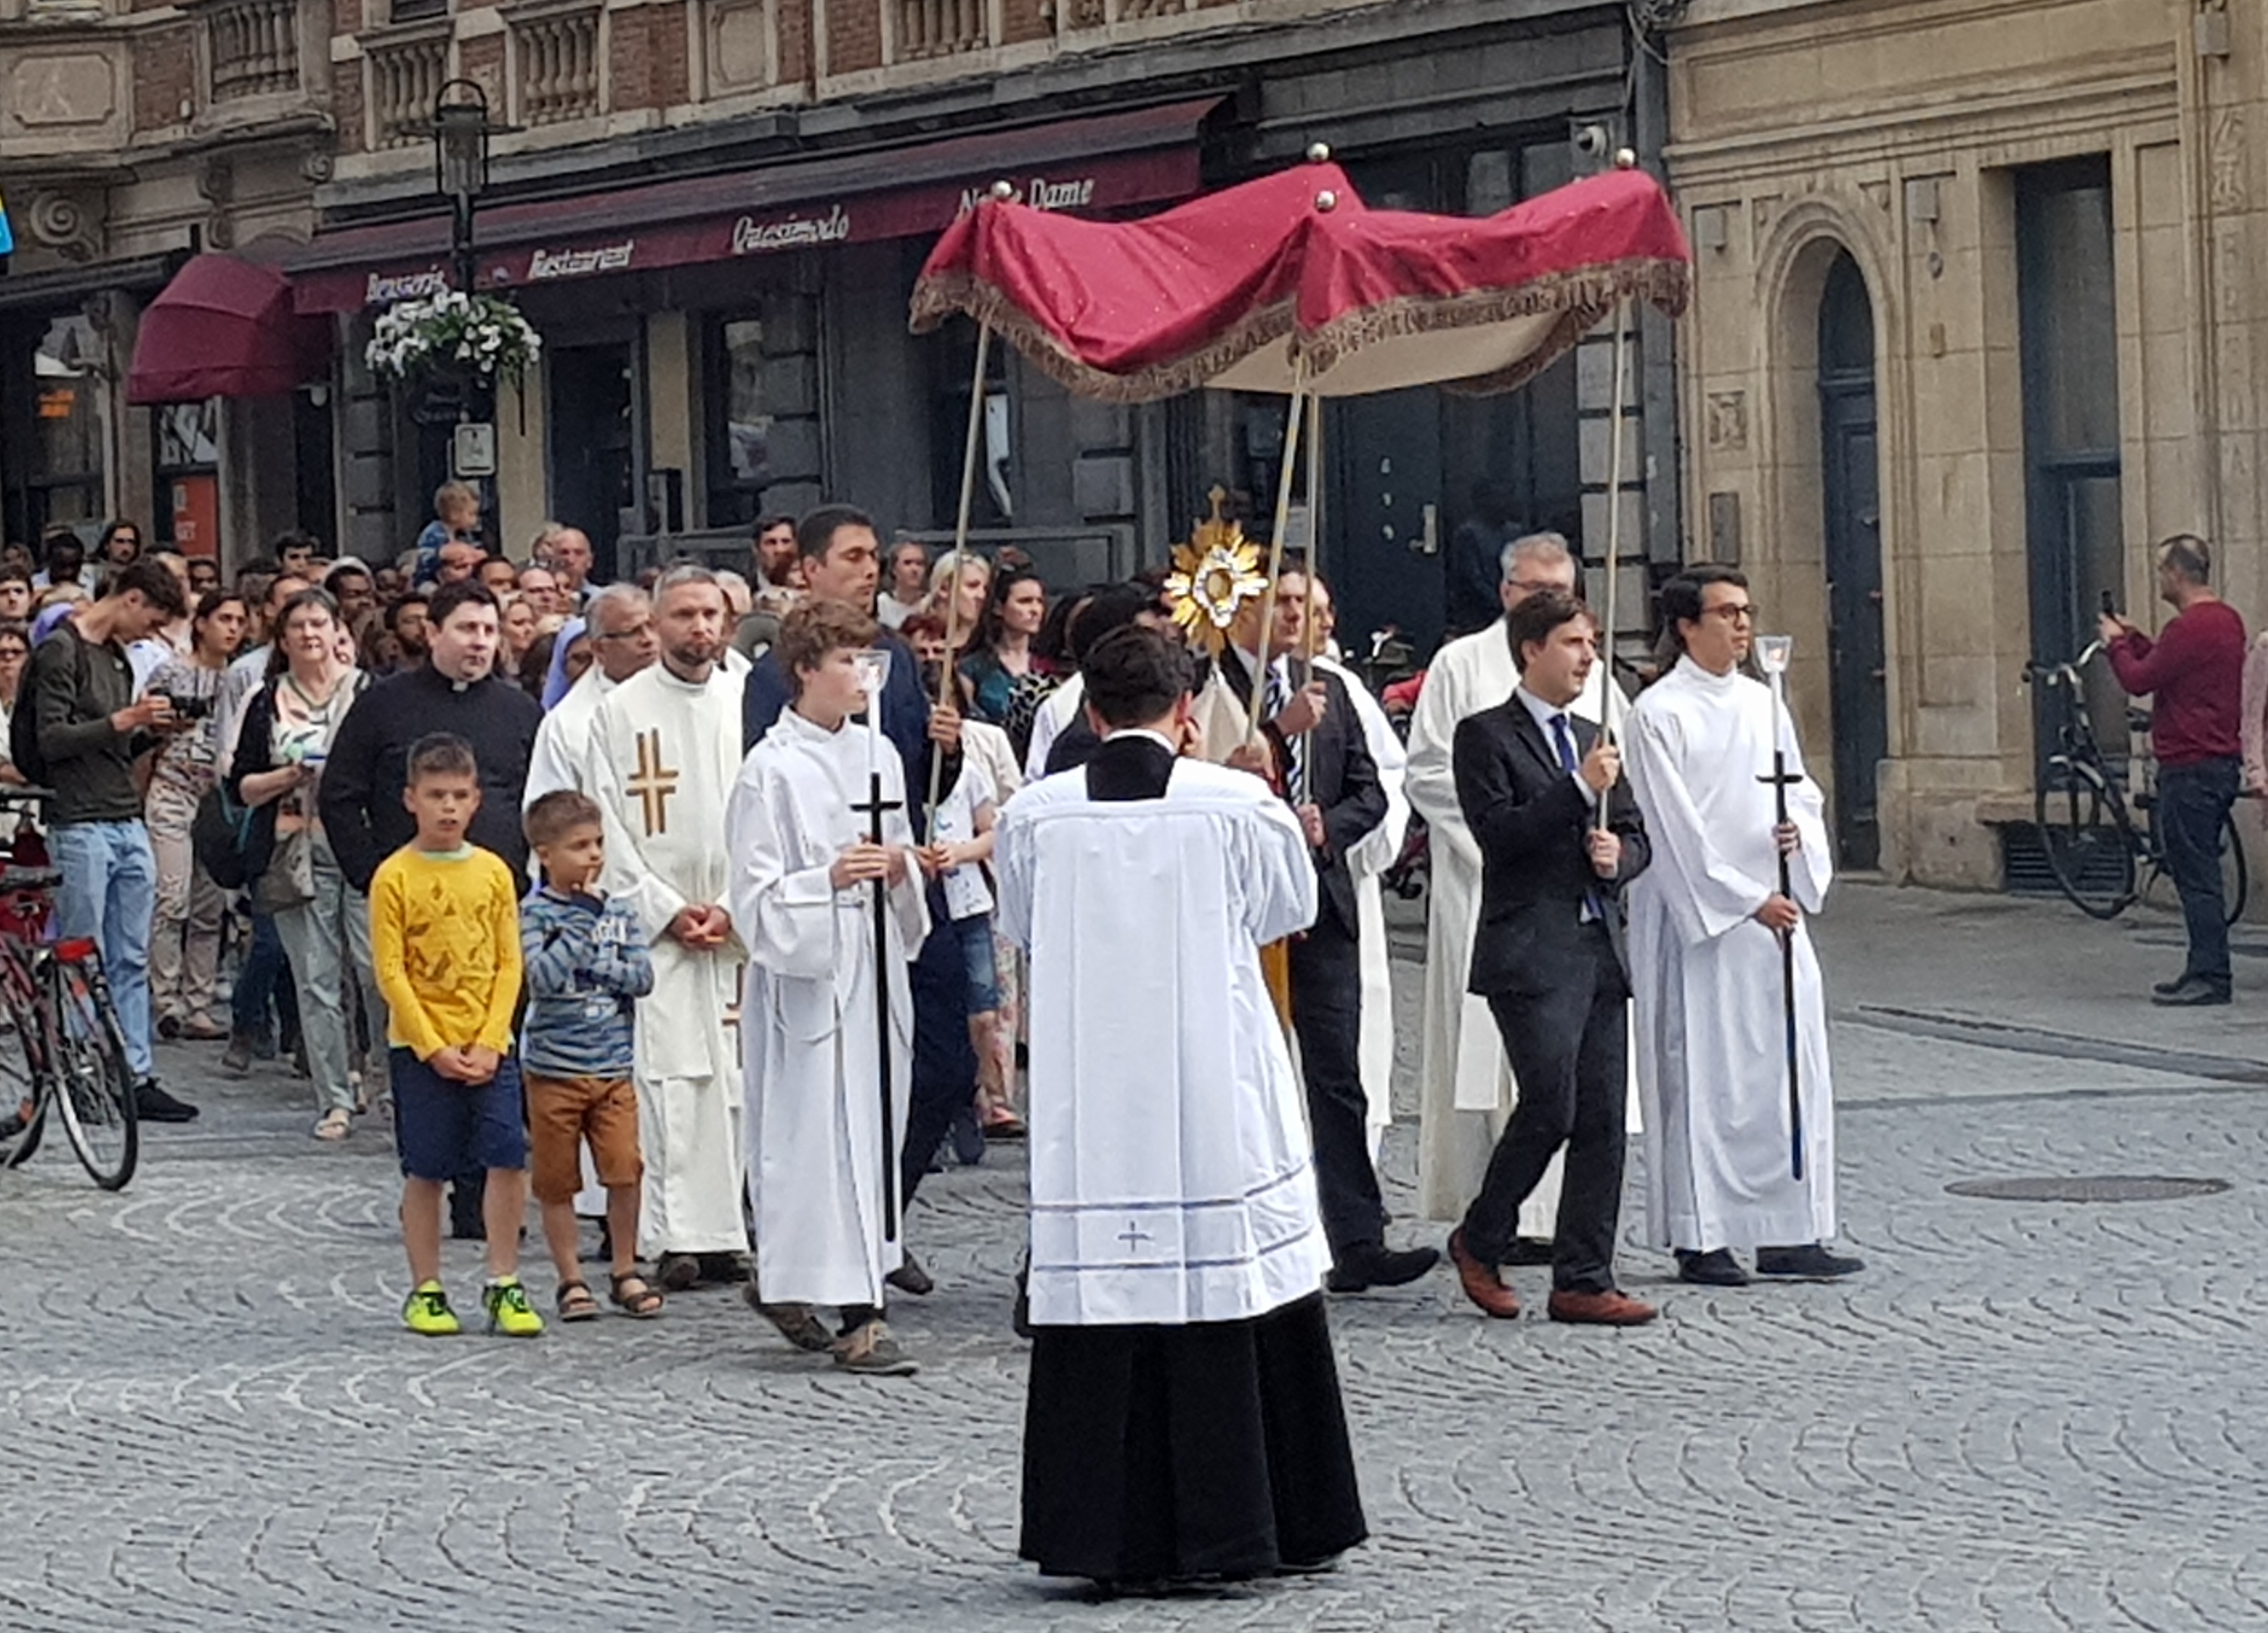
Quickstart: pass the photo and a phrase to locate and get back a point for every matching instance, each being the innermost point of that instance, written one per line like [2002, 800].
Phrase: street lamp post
[461, 165]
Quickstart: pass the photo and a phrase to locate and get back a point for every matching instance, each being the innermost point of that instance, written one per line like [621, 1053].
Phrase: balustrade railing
[940, 28]
[405, 77]
[253, 47]
[558, 71]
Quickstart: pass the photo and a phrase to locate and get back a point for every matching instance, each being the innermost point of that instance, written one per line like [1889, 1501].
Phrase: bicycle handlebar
[24, 794]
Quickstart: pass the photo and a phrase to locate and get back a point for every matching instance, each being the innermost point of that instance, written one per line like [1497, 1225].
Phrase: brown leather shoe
[1482, 1283]
[1610, 1308]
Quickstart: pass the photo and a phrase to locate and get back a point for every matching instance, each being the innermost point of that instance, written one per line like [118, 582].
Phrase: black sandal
[574, 1302]
[644, 1301]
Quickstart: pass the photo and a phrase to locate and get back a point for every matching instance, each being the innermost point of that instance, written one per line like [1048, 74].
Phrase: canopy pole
[959, 558]
[1314, 483]
[1614, 525]
[1293, 419]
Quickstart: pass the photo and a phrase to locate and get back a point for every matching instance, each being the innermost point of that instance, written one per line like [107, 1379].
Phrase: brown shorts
[562, 1114]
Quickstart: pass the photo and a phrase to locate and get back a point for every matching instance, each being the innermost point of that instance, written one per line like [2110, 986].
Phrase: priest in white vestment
[620, 624]
[663, 753]
[1705, 923]
[1368, 860]
[802, 892]
[1184, 1417]
[1465, 1087]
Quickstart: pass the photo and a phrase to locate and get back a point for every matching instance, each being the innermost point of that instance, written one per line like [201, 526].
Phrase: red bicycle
[62, 1050]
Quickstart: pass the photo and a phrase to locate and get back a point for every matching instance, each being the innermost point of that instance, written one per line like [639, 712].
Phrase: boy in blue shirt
[587, 964]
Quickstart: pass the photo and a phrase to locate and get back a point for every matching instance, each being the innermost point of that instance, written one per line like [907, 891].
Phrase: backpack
[219, 836]
[24, 725]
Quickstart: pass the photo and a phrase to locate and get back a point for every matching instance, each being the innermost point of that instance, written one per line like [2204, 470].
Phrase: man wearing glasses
[1706, 923]
[622, 643]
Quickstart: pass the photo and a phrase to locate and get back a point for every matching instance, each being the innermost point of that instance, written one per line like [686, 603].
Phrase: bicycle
[62, 1050]
[2103, 861]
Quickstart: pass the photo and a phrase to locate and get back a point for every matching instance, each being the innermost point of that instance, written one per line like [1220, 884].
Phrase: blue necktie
[1565, 740]
[1280, 699]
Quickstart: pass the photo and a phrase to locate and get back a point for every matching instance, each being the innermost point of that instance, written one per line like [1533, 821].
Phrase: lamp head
[1774, 652]
[460, 139]
[874, 665]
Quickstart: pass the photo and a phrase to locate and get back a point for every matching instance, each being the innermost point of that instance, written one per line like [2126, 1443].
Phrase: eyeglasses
[1744, 613]
[1540, 586]
[621, 635]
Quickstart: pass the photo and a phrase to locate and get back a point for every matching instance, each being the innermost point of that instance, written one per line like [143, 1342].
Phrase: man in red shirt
[2195, 670]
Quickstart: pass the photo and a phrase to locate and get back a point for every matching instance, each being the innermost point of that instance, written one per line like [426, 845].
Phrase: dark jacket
[364, 778]
[74, 686]
[255, 752]
[1530, 820]
[1341, 777]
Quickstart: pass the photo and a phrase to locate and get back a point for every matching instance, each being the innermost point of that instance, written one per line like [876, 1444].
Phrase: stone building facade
[1982, 292]
[132, 136]
[714, 210]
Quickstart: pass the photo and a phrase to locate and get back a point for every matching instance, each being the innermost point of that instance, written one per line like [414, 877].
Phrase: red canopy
[225, 327]
[1291, 279]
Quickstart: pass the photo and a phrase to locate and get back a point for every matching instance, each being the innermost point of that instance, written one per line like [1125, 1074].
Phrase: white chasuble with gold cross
[662, 755]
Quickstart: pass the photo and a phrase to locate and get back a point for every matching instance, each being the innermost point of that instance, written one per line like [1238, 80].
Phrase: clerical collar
[1705, 675]
[1159, 738]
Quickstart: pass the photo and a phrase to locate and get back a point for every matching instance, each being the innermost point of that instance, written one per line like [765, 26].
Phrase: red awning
[224, 327]
[1143, 156]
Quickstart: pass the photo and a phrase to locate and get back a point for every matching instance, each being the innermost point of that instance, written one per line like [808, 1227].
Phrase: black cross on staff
[872, 809]
[1134, 1234]
[1780, 778]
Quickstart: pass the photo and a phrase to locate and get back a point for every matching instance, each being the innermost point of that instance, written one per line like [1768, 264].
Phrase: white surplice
[818, 1175]
[1171, 1169]
[660, 761]
[1367, 858]
[1710, 1040]
[1465, 1090]
[563, 741]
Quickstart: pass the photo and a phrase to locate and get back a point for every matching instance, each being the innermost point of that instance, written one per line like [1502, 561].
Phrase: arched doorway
[1851, 487]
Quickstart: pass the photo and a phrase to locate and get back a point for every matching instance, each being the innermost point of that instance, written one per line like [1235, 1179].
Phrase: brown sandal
[634, 1295]
[574, 1302]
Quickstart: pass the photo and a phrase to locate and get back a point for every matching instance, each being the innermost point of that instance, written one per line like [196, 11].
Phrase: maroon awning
[1141, 155]
[225, 327]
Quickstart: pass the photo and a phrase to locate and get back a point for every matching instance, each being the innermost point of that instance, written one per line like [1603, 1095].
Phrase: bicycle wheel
[2235, 877]
[95, 1092]
[2087, 836]
[23, 1110]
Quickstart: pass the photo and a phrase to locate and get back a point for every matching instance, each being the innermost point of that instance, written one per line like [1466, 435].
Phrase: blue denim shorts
[443, 1129]
[975, 937]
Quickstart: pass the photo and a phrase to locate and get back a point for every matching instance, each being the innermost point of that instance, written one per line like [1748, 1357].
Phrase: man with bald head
[568, 549]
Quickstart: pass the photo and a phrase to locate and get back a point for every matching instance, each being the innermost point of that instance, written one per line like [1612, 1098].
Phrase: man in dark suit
[1332, 784]
[1549, 959]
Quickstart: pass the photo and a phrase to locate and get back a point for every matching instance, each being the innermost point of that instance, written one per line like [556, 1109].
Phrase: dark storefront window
[54, 420]
[993, 503]
[739, 428]
[2068, 323]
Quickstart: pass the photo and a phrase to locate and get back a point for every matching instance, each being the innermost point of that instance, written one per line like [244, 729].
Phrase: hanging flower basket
[468, 336]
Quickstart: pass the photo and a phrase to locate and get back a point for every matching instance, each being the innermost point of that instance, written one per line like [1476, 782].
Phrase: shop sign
[1040, 194]
[578, 263]
[751, 237]
[386, 288]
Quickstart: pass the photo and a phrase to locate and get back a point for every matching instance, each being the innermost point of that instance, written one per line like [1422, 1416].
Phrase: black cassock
[1216, 1449]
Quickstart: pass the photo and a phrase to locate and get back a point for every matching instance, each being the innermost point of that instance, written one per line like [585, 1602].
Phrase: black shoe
[1717, 1267]
[170, 1028]
[2192, 993]
[966, 1138]
[1369, 1265]
[153, 1104]
[724, 1270]
[677, 1271]
[910, 1277]
[2167, 989]
[1810, 1262]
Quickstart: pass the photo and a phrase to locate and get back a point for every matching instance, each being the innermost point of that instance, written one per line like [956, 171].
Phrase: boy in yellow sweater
[444, 936]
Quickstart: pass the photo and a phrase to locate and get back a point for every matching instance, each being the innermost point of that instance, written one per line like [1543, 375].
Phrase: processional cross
[873, 808]
[1773, 653]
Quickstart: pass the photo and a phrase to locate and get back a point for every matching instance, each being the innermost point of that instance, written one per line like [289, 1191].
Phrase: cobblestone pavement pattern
[2024, 1417]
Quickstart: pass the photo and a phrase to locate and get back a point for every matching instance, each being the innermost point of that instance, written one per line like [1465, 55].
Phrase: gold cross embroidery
[654, 782]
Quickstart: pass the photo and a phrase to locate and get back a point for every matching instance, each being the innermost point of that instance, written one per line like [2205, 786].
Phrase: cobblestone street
[2025, 1415]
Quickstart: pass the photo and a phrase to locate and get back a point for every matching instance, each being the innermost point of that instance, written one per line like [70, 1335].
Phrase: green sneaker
[509, 1310]
[428, 1313]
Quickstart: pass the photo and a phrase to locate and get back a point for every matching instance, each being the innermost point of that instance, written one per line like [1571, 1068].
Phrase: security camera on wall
[1594, 146]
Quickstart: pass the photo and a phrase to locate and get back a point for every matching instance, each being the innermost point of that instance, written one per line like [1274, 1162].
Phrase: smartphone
[2110, 605]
